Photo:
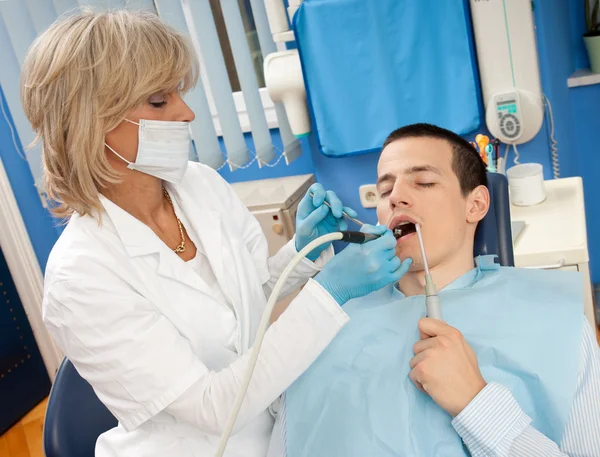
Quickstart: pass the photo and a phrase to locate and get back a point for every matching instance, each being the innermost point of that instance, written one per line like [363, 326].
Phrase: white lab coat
[141, 326]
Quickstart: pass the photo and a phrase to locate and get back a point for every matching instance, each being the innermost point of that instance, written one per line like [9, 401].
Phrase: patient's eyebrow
[385, 177]
[421, 169]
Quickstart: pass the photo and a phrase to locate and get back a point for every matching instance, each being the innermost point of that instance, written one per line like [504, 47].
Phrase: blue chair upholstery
[494, 234]
[75, 417]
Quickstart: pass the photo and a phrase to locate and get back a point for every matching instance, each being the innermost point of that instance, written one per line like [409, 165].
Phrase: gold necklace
[181, 248]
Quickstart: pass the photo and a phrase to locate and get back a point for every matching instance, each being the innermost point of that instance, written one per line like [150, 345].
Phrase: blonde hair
[80, 78]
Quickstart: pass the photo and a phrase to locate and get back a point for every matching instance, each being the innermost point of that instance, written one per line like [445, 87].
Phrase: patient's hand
[445, 367]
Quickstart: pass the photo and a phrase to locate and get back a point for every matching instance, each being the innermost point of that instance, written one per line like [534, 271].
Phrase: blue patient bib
[357, 399]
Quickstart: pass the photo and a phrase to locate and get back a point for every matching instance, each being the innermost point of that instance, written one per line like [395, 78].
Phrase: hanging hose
[553, 142]
[517, 155]
[350, 237]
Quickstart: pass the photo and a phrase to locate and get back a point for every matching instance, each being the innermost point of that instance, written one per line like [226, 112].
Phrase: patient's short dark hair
[466, 162]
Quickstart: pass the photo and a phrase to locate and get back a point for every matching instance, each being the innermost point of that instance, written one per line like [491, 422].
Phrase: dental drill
[432, 301]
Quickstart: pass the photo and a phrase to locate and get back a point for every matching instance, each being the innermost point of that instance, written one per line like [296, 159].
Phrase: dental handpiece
[357, 237]
[432, 301]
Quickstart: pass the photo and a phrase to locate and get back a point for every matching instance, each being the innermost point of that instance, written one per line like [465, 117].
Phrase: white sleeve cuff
[491, 422]
[306, 266]
[326, 301]
[322, 260]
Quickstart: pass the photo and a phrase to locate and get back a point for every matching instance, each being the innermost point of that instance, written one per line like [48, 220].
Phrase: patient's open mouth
[403, 229]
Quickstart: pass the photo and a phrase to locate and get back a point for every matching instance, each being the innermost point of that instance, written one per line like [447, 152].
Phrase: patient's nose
[400, 199]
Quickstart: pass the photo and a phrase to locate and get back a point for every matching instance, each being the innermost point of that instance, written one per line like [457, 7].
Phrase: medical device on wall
[509, 70]
[285, 84]
[508, 111]
[283, 72]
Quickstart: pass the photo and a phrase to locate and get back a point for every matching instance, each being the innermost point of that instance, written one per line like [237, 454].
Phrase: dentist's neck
[141, 196]
[444, 273]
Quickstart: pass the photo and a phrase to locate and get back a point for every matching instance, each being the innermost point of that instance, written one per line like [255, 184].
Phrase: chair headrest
[494, 234]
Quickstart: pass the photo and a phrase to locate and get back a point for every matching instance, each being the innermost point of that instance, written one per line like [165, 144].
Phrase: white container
[526, 184]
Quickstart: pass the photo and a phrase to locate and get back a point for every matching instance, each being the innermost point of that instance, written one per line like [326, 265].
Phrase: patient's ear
[478, 204]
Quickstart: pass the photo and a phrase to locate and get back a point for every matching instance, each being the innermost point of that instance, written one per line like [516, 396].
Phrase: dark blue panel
[24, 381]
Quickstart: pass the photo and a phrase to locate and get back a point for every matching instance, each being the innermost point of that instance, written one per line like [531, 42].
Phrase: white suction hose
[262, 328]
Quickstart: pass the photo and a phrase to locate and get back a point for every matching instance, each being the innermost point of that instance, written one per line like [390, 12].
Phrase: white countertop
[274, 192]
[555, 229]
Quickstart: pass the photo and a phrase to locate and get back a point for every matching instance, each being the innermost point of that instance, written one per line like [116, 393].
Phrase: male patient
[513, 370]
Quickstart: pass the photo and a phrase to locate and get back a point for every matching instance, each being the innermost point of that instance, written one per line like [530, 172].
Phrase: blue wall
[40, 225]
[585, 102]
[559, 24]
[585, 122]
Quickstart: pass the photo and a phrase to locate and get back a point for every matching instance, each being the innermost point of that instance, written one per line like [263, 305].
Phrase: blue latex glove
[315, 219]
[363, 268]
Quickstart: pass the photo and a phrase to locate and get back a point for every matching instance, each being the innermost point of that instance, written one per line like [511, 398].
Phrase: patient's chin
[404, 252]
[416, 266]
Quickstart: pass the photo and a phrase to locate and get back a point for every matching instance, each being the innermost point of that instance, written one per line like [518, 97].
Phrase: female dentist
[155, 289]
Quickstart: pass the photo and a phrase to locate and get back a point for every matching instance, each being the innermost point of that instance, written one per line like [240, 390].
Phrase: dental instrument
[489, 150]
[348, 236]
[496, 144]
[397, 231]
[285, 84]
[356, 221]
[432, 301]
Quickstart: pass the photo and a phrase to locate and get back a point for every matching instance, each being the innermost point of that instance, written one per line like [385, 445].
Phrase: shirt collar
[137, 237]
[462, 282]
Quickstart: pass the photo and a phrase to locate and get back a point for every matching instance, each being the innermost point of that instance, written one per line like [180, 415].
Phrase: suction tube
[432, 301]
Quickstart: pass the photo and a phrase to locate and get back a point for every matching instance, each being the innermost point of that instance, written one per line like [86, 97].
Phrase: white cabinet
[274, 203]
[555, 235]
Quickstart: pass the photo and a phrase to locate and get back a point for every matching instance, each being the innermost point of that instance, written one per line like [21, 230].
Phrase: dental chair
[75, 417]
[494, 234]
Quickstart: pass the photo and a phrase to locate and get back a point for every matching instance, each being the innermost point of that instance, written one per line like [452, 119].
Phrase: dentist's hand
[315, 219]
[363, 268]
[445, 366]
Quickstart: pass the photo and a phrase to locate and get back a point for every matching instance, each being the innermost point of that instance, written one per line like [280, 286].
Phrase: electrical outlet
[369, 197]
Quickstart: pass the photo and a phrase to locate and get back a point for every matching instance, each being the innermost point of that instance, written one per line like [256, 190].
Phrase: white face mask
[163, 149]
